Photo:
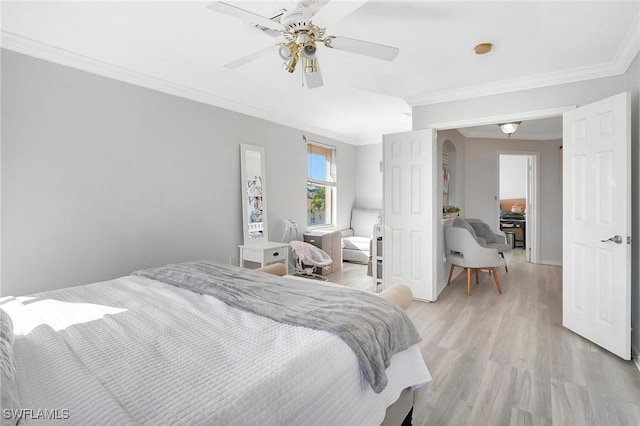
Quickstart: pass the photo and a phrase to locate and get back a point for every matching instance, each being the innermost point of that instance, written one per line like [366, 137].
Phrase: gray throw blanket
[374, 328]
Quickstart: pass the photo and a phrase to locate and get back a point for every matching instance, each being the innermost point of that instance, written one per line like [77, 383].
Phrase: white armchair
[356, 241]
[463, 250]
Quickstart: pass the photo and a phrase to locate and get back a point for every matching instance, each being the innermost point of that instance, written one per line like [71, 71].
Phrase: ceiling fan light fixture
[284, 53]
[310, 65]
[509, 128]
[303, 38]
[309, 50]
[298, 37]
[290, 65]
[288, 50]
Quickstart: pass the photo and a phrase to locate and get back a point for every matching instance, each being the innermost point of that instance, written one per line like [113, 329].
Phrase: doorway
[517, 189]
[594, 206]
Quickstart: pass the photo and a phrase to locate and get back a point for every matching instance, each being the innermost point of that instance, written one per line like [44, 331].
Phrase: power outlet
[232, 260]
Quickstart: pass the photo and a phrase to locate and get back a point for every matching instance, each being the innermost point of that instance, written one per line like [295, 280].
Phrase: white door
[410, 202]
[596, 277]
[530, 208]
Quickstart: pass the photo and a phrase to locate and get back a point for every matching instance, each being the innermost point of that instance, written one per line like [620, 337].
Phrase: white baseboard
[550, 262]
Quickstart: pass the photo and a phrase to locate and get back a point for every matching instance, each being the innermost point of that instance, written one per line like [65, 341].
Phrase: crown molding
[64, 57]
[621, 62]
[630, 47]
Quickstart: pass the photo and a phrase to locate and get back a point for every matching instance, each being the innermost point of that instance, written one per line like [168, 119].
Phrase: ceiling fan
[298, 37]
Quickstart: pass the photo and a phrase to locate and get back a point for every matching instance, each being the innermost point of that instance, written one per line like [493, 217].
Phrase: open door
[531, 209]
[596, 298]
[410, 200]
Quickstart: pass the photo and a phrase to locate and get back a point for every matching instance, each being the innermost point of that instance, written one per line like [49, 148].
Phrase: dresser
[329, 242]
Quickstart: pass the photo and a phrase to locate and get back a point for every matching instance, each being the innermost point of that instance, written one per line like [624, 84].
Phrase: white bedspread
[134, 350]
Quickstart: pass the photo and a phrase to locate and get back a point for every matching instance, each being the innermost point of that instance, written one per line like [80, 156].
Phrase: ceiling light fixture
[290, 65]
[509, 128]
[287, 50]
[309, 50]
[310, 65]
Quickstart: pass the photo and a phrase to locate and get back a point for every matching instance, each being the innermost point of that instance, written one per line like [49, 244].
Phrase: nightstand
[264, 253]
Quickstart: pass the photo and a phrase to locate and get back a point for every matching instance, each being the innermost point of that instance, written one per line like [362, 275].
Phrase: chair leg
[506, 268]
[476, 270]
[468, 281]
[450, 273]
[497, 280]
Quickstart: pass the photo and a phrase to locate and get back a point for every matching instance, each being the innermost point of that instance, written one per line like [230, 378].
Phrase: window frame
[331, 183]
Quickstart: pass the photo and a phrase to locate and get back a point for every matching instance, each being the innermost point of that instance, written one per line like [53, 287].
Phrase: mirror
[254, 194]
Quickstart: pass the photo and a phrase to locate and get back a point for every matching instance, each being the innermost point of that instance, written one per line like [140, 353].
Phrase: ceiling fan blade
[313, 79]
[335, 11]
[271, 32]
[366, 48]
[251, 57]
[236, 12]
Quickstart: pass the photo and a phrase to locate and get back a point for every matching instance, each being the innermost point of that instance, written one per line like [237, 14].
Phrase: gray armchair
[463, 250]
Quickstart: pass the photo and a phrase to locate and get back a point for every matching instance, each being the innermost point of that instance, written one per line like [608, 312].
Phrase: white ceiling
[181, 47]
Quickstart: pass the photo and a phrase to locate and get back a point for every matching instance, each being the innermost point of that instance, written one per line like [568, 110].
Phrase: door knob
[616, 239]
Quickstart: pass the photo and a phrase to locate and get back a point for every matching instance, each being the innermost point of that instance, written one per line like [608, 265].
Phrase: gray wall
[457, 185]
[579, 93]
[457, 167]
[100, 177]
[369, 176]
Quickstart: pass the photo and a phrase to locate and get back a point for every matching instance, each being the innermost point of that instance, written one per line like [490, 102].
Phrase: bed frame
[400, 413]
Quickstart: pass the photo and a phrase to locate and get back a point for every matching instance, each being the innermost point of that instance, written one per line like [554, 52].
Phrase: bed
[140, 350]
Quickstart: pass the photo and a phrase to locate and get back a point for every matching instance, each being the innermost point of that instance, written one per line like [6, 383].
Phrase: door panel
[409, 212]
[597, 207]
[531, 208]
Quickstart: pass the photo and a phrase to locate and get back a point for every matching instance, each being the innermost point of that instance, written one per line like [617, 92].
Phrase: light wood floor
[353, 275]
[506, 359]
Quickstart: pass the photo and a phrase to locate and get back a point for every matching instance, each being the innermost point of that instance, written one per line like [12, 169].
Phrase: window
[321, 184]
